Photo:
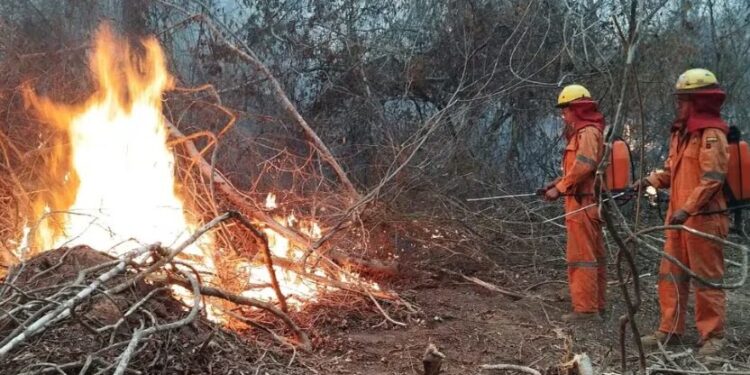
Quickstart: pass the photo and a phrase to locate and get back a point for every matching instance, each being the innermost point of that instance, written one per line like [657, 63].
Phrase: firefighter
[695, 171]
[587, 273]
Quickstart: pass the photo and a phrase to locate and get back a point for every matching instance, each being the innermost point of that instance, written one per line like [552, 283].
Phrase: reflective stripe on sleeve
[716, 176]
[586, 160]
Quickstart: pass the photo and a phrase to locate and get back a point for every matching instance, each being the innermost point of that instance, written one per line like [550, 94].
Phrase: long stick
[584, 207]
[503, 366]
[305, 343]
[262, 241]
[502, 197]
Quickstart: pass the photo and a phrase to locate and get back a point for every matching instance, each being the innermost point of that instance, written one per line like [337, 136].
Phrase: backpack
[619, 171]
[737, 185]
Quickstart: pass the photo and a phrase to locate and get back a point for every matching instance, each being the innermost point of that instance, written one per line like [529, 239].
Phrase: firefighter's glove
[640, 185]
[679, 217]
[552, 194]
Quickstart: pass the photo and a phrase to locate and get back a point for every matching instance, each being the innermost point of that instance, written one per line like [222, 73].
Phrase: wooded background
[422, 102]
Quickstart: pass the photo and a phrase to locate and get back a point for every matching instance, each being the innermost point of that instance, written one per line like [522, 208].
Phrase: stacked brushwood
[76, 310]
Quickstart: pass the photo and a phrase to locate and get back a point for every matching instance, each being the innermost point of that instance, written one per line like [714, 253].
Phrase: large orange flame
[115, 176]
[111, 178]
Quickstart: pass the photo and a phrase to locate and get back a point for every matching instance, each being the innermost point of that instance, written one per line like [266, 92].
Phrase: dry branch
[244, 52]
[262, 241]
[63, 310]
[171, 254]
[140, 333]
[355, 287]
[244, 204]
[514, 295]
[241, 201]
[525, 369]
[246, 301]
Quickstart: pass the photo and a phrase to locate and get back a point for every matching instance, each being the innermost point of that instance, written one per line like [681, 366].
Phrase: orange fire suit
[587, 269]
[695, 171]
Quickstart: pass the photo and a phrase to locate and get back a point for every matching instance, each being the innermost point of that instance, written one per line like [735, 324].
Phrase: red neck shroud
[583, 113]
[705, 112]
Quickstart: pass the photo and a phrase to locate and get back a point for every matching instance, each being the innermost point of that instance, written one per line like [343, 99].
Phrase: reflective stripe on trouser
[587, 268]
[706, 259]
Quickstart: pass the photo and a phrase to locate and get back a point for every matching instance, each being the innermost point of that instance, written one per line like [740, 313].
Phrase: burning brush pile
[125, 264]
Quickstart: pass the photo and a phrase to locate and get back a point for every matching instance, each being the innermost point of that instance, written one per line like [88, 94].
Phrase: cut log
[432, 360]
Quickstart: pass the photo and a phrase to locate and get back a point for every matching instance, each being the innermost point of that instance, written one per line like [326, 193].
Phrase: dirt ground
[472, 325]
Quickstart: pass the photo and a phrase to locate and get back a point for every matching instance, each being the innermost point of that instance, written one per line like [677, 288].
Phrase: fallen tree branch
[373, 266]
[252, 302]
[140, 333]
[355, 287]
[234, 195]
[262, 241]
[503, 366]
[171, 254]
[385, 314]
[514, 295]
[63, 310]
[244, 203]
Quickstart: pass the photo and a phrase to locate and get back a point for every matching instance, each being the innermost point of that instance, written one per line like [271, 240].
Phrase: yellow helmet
[694, 79]
[570, 93]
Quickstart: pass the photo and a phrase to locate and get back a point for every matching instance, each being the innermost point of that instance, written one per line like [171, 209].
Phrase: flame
[296, 288]
[113, 181]
[271, 201]
[110, 180]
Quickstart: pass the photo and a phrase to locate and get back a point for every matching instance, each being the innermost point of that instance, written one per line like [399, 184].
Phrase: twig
[241, 300]
[502, 366]
[532, 287]
[656, 370]
[262, 241]
[385, 314]
[171, 254]
[486, 285]
[63, 310]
